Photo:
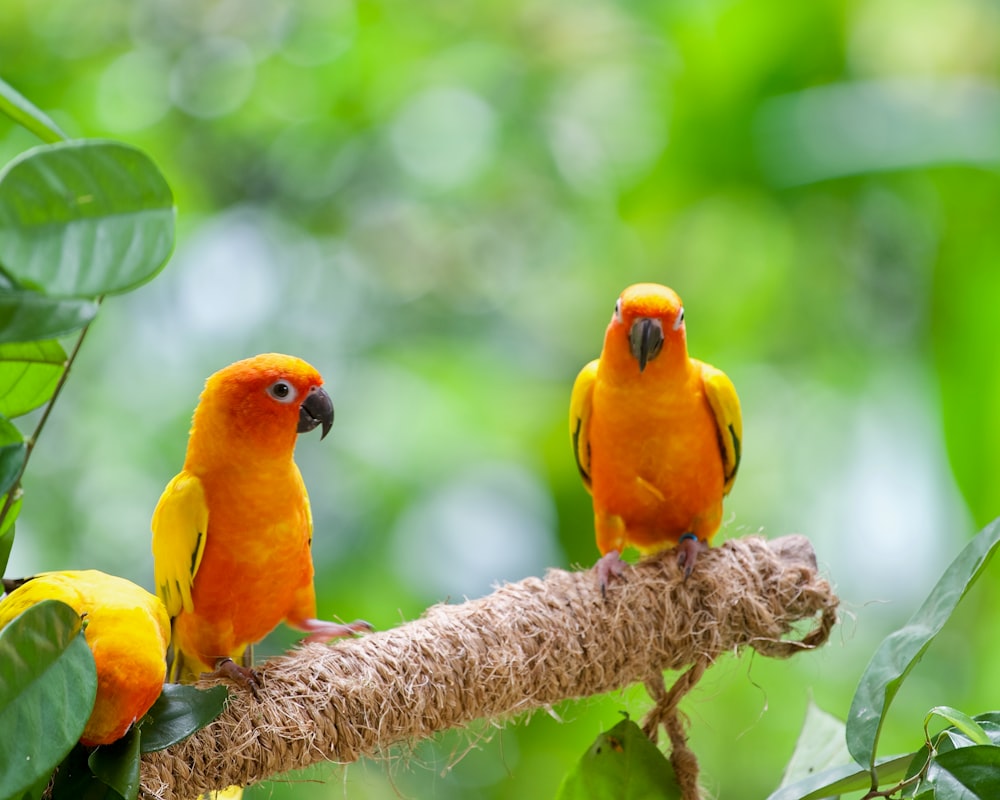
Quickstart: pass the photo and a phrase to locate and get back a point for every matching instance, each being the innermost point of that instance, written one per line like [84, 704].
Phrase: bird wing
[581, 405]
[180, 523]
[725, 405]
[26, 592]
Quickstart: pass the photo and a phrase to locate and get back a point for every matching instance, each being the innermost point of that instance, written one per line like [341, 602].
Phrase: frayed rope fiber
[527, 645]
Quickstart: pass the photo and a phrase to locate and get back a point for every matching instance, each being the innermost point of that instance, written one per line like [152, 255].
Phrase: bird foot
[322, 631]
[246, 677]
[609, 566]
[688, 549]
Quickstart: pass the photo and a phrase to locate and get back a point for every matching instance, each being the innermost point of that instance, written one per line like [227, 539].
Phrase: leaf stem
[15, 489]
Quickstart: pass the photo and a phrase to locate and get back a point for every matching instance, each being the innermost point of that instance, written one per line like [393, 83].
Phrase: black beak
[645, 340]
[316, 409]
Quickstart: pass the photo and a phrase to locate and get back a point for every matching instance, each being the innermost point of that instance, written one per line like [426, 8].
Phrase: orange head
[260, 403]
[647, 326]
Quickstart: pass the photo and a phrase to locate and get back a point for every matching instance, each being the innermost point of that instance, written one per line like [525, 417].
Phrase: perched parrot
[127, 630]
[656, 434]
[232, 531]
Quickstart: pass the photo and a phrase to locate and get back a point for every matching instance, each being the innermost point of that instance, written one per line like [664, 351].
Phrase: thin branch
[526, 646]
[15, 489]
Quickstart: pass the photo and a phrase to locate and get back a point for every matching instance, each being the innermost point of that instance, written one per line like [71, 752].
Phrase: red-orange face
[270, 395]
[648, 318]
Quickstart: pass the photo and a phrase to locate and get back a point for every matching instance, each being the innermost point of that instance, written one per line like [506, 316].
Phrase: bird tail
[10, 584]
[179, 668]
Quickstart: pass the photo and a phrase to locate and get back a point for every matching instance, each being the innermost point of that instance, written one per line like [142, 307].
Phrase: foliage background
[437, 203]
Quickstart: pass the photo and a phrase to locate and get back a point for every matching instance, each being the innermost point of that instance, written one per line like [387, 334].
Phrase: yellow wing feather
[725, 405]
[180, 523]
[31, 591]
[580, 408]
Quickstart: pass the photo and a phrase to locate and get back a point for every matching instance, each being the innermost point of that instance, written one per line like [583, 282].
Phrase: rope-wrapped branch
[527, 645]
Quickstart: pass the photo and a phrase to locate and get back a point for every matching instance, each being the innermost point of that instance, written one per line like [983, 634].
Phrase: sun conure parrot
[232, 531]
[127, 630]
[656, 434]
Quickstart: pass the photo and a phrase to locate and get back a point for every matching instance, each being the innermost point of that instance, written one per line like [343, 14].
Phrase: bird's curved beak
[645, 340]
[316, 409]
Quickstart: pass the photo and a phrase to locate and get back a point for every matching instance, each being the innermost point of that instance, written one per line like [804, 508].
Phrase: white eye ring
[680, 319]
[618, 310]
[283, 391]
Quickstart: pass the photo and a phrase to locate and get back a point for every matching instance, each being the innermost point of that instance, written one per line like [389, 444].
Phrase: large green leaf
[621, 764]
[26, 316]
[25, 114]
[977, 768]
[29, 374]
[37, 792]
[117, 764]
[75, 780]
[84, 218]
[834, 781]
[47, 687]
[902, 649]
[12, 454]
[820, 745]
[178, 712]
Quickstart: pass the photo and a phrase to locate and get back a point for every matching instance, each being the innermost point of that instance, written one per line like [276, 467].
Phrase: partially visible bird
[232, 531]
[127, 630]
[657, 435]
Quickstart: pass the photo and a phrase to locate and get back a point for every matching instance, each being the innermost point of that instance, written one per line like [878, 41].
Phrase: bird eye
[282, 391]
[618, 310]
[680, 319]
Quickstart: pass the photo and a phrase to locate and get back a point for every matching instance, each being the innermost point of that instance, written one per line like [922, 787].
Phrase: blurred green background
[437, 204]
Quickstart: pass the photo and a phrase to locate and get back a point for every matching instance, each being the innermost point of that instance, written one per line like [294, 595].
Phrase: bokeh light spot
[132, 93]
[444, 136]
[213, 77]
[491, 523]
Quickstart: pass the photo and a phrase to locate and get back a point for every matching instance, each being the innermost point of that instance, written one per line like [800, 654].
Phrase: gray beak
[645, 340]
[316, 409]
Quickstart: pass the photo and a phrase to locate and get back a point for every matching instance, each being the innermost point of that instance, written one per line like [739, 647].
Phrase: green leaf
[939, 781]
[820, 745]
[117, 764]
[902, 649]
[835, 781]
[25, 114]
[989, 721]
[84, 218]
[29, 374]
[977, 768]
[74, 779]
[48, 683]
[38, 790]
[621, 764]
[7, 530]
[963, 722]
[27, 316]
[13, 451]
[178, 712]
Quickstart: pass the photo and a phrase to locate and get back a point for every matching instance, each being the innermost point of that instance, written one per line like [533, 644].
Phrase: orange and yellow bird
[232, 531]
[656, 434]
[127, 630]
